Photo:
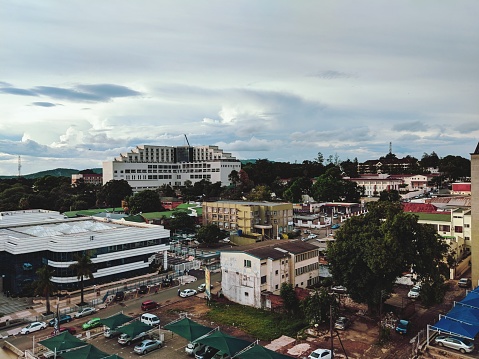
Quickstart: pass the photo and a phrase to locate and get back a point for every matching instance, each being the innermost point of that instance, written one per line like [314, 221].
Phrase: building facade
[88, 178]
[34, 238]
[149, 167]
[268, 219]
[247, 276]
[475, 216]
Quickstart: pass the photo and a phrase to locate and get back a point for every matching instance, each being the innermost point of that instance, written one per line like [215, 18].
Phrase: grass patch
[261, 324]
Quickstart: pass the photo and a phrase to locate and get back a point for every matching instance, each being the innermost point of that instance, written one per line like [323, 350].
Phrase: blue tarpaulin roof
[452, 326]
[472, 299]
[464, 314]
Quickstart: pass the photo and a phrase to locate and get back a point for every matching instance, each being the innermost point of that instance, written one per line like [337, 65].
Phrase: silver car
[147, 346]
[33, 327]
[461, 344]
[84, 312]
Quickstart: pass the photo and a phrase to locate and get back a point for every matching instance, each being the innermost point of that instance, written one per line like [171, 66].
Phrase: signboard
[208, 283]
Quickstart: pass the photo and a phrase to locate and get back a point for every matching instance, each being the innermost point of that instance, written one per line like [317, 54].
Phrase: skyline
[83, 81]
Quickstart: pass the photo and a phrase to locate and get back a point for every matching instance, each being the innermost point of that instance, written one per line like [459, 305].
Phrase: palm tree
[84, 268]
[43, 284]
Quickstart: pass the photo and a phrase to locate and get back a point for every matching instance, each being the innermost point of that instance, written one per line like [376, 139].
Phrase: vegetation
[83, 267]
[180, 220]
[44, 285]
[210, 234]
[261, 324]
[144, 201]
[381, 245]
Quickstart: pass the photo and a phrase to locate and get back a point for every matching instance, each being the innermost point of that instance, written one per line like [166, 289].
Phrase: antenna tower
[390, 147]
[19, 166]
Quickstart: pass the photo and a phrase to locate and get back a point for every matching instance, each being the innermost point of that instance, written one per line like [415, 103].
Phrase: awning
[116, 320]
[188, 329]
[257, 351]
[225, 343]
[62, 341]
[88, 352]
[134, 328]
[454, 327]
[464, 314]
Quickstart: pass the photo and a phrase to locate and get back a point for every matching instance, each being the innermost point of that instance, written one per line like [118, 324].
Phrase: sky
[83, 81]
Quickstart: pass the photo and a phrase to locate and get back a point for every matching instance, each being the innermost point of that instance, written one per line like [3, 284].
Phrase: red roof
[419, 207]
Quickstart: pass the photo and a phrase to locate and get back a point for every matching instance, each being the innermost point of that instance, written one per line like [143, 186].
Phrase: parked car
[335, 226]
[84, 312]
[320, 354]
[208, 353]
[125, 339]
[339, 289]
[92, 323]
[464, 283]
[221, 355]
[202, 287]
[461, 344]
[63, 319]
[191, 348]
[33, 327]
[143, 289]
[342, 323]
[70, 330]
[414, 292]
[149, 305]
[119, 296]
[312, 236]
[187, 293]
[402, 326]
[147, 346]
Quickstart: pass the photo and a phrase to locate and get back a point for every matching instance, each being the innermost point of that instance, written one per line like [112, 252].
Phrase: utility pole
[19, 166]
[331, 329]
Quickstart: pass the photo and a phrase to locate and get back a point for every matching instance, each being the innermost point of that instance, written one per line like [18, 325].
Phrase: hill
[58, 172]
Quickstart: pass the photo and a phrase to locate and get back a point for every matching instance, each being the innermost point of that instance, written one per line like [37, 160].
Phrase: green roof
[91, 212]
[157, 215]
[433, 217]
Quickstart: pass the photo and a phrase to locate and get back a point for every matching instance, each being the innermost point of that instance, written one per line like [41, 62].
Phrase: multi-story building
[374, 184]
[475, 216]
[268, 219]
[33, 238]
[149, 167]
[90, 178]
[388, 165]
[248, 275]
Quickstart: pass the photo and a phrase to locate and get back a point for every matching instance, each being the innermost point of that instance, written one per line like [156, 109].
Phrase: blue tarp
[452, 326]
[464, 314]
[472, 299]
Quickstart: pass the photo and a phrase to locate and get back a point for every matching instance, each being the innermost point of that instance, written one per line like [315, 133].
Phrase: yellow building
[266, 219]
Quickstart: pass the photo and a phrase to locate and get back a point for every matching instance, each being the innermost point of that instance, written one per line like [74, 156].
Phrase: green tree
[291, 302]
[381, 245]
[83, 267]
[165, 190]
[234, 178]
[210, 234]
[113, 192]
[317, 307]
[260, 193]
[180, 220]
[391, 196]
[331, 187]
[455, 167]
[44, 286]
[145, 201]
[429, 161]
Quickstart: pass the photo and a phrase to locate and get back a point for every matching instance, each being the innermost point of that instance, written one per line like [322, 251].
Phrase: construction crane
[188, 142]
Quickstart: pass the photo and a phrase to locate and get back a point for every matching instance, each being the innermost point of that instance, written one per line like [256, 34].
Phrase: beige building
[248, 275]
[374, 184]
[475, 216]
[267, 220]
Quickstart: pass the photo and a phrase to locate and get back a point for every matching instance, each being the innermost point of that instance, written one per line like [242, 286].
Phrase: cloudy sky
[83, 81]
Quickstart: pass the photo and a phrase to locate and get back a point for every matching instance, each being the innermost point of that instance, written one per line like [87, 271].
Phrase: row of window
[307, 255]
[306, 269]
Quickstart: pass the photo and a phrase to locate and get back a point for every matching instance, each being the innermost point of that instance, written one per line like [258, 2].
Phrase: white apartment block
[248, 275]
[149, 167]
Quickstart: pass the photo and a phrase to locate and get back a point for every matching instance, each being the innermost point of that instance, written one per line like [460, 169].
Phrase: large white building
[149, 167]
[248, 275]
[33, 238]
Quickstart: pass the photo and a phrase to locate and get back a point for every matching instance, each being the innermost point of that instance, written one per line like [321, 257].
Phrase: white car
[414, 292]
[320, 354]
[84, 312]
[187, 293]
[33, 327]
[461, 344]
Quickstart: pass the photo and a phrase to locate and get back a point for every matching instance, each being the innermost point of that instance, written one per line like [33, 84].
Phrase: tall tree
[317, 307]
[332, 187]
[145, 201]
[260, 193]
[83, 267]
[210, 234]
[291, 302]
[113, 192]
[180, 220]
[381, 245]
[44, 286]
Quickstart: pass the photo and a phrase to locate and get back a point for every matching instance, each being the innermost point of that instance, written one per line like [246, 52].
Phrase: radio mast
[19, 166]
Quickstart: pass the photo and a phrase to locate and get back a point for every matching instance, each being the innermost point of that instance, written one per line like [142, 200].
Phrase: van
[150, 319]
[149, 304]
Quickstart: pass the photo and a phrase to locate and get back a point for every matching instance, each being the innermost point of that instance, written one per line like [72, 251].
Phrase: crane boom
[188, 142]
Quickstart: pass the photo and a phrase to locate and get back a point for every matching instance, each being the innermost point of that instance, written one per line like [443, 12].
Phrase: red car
[71, 330]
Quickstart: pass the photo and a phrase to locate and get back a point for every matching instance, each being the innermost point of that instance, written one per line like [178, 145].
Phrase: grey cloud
[43, 104]
[331, 75]
[109, 90]
[5, 84]
[468, 127]
[18, 91]
[414, 126]
[32, 148]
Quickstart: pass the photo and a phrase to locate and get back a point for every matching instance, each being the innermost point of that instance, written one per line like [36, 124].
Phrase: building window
[276, 286]
[263, 279]
[247, 263]
[246, 294]
[276, 272]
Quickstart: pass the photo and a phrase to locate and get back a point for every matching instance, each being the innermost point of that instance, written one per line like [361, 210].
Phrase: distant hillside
[58, 172]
